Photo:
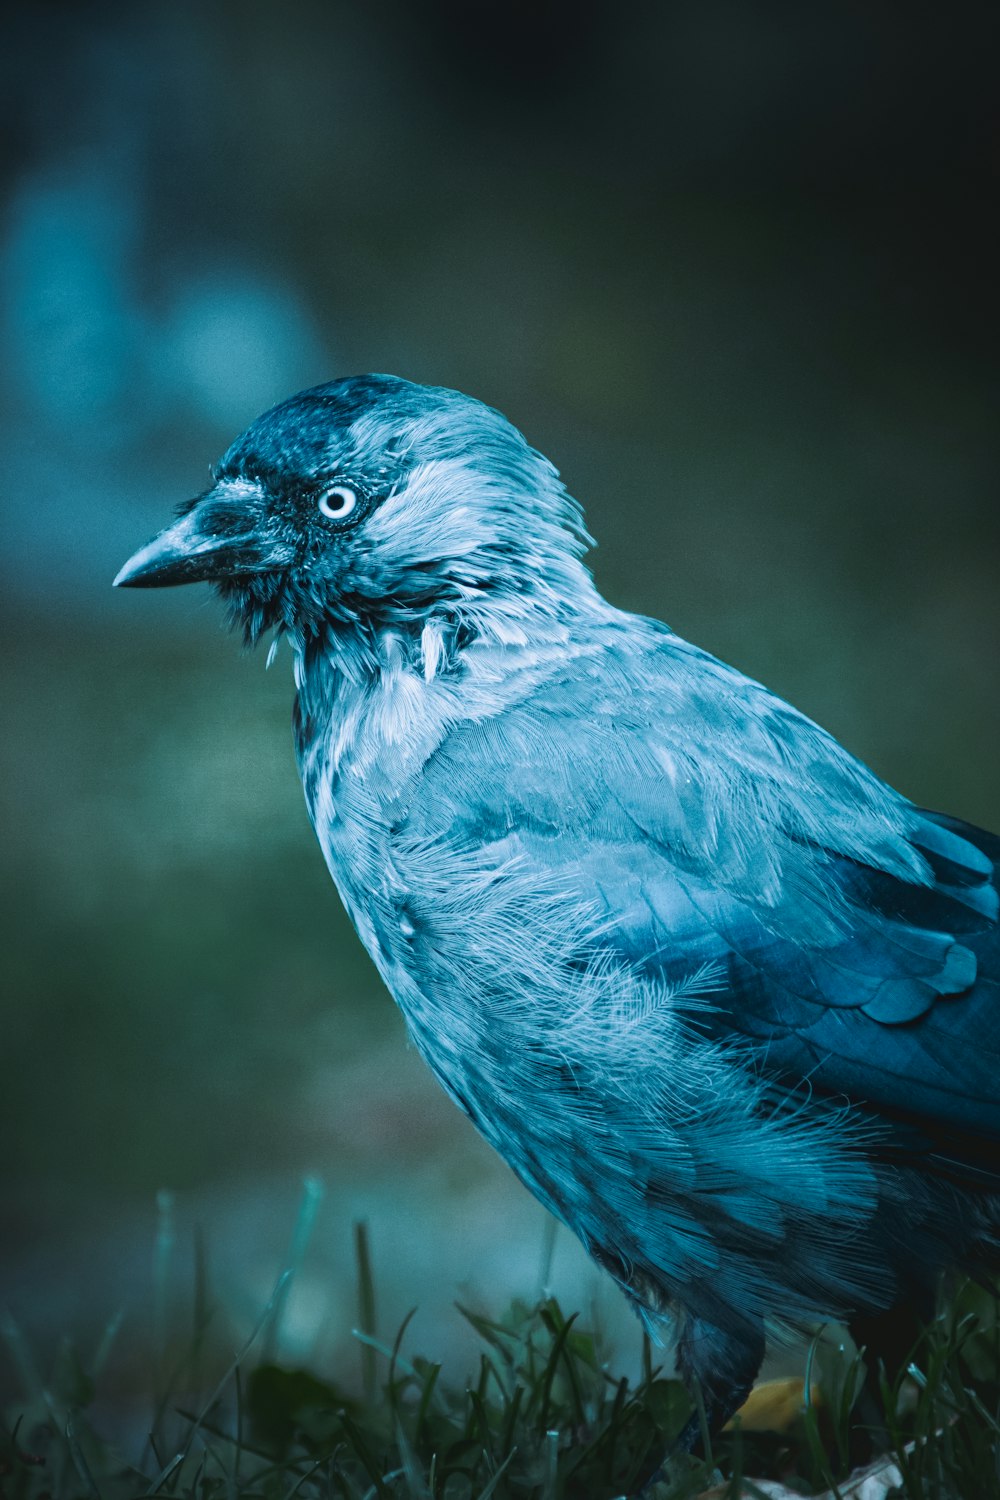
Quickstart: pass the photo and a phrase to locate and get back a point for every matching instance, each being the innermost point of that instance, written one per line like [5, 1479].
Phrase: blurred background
[732, 266]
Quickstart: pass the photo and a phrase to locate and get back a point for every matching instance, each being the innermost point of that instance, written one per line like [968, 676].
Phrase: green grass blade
[305, 1221]
[366, 1307]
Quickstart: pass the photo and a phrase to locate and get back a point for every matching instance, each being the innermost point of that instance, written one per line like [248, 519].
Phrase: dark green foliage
[542, 1418]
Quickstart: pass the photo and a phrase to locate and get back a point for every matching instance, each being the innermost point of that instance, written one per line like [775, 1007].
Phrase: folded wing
[851, 937]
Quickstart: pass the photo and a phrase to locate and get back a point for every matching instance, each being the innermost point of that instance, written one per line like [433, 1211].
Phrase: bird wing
[727, 844]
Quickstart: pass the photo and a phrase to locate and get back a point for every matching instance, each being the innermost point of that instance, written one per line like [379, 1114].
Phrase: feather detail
[431, 648]
[725, 1001]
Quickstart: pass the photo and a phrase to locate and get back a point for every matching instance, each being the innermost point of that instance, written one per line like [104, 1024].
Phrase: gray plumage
[725, 1001]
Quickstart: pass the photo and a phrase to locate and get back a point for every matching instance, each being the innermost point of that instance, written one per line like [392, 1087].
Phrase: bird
[726, 1002]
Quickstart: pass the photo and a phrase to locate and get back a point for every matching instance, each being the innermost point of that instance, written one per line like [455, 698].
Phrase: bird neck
[433, 643]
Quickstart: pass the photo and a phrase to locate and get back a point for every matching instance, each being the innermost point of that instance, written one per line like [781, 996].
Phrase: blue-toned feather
[575, 861]
[725, 1001]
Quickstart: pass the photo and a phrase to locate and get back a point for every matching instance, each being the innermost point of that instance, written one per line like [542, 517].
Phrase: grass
[542, 1418]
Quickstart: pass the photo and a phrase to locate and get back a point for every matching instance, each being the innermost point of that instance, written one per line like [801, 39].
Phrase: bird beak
[220, 537]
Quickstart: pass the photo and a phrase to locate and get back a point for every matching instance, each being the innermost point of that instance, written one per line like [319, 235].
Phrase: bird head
[372, 500]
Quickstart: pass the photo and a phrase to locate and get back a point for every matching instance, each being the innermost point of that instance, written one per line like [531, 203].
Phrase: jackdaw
[726, 1002]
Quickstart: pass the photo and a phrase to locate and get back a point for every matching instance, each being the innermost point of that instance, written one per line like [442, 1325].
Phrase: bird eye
[338, 501]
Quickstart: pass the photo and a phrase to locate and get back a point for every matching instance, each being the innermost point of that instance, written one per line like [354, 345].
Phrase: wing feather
[715, 828]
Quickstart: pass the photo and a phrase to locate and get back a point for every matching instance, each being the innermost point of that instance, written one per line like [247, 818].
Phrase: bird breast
[362, 742]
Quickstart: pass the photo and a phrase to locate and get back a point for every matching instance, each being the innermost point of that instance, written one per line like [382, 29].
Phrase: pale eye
[338, 501]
